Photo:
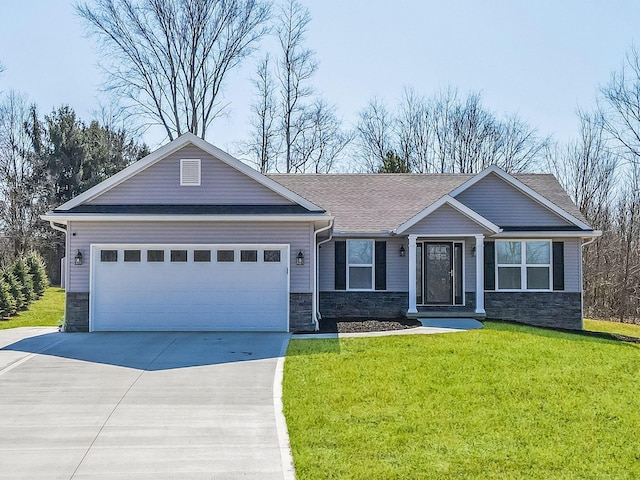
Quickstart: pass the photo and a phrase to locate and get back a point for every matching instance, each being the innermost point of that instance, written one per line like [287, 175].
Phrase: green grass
[612, 327]
[48, 310]
[504, 402]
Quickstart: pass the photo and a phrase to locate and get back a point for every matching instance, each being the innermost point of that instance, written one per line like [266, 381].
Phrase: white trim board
[524, 189]
[109, 217]
[175, 145]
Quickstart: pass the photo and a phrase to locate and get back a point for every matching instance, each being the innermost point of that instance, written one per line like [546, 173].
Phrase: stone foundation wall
[300, 312]
[76, 312]
[543, 309]
[342, 304]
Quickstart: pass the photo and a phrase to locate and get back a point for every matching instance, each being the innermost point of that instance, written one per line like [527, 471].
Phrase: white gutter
[315, 304]
[554, 234]
[55, 227]
[582, 245]
[106, 217]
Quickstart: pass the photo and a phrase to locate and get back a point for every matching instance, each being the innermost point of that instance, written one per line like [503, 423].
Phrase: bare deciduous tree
[169, 58]
[296, 66]
[263, 147]
[621, 98]
[375, 134]
[19, 206]
[446, 134]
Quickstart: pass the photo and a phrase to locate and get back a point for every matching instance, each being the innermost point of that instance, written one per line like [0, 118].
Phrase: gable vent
[189, 172]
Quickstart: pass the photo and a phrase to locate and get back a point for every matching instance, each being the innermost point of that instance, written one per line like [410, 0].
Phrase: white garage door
[189, 287]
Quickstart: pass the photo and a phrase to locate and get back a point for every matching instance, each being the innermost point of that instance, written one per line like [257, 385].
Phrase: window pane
[132, 255]
[509, 278]
[509, 252]
[538, 278]
[538, 253]
[178, 255]
[108, 255]
[248, 255]
[272, 255]
[360, 277]
[155, 255]
[202, 255]
[225, 256]
[360, 252]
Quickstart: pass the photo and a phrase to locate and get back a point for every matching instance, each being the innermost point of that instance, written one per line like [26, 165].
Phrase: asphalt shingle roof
[382, 202]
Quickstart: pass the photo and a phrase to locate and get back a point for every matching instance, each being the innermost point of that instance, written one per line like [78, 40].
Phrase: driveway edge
[288, 470]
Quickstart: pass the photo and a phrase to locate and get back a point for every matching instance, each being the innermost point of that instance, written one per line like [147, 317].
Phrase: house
[189, 238]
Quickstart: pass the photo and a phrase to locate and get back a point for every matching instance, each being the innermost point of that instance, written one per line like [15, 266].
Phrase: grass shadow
[567, 334]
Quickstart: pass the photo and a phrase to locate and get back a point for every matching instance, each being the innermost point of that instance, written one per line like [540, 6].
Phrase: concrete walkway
[429, 326]
[141, 406]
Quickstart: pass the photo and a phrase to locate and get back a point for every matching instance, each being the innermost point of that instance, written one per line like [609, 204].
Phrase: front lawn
[48, 310]
[612, 327]
[504, 402]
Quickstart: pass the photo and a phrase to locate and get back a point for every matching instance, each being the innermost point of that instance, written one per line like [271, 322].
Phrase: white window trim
[182, 163]
[523, 266]
[372, 265]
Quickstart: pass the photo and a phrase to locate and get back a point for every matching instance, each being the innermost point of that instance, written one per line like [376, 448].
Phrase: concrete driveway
[140, 406]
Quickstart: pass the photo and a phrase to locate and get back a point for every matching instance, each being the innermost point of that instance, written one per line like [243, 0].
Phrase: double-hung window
[360, 264]
[523, 265]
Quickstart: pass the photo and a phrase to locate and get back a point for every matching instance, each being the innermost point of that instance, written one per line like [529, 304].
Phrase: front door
[438, 266]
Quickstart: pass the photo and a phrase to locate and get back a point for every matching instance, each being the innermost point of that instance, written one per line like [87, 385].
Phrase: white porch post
[480, 274]
[412, 274]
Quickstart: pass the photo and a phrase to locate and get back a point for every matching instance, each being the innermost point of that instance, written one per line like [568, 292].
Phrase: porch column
[480, 274]
[412, 274]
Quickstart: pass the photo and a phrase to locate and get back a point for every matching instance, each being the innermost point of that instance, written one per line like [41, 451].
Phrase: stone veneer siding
[544, 309]
[300, 312]
[76, 317]
[76, 312]
[343, 304]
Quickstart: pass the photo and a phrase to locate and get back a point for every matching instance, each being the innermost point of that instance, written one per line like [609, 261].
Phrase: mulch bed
[357, 325]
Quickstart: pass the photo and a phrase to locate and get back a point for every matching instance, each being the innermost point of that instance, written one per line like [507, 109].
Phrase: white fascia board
[556, 234]
[524, 189]
[342, 233]
[174, 146]
[106, 217]
[455, 204]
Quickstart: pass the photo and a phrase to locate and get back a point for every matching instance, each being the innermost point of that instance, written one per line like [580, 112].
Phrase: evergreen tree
[21, 272]
[15, 289]
[392, 163]
[7, 302]
[38, 272]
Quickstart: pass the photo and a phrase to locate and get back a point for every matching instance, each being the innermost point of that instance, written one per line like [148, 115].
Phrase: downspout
[315, 303]
[582, 245]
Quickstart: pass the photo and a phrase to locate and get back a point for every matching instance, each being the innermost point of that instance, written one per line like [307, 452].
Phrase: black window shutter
[489, 266]
[341, 265]
[558, 265]
[381, 265]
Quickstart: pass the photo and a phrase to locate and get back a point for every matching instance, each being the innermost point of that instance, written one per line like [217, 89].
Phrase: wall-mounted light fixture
[78, 258]
[300, 258]
[473, 250]
[403, 252]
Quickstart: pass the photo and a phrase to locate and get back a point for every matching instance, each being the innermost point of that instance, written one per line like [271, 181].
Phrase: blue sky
[540, 59]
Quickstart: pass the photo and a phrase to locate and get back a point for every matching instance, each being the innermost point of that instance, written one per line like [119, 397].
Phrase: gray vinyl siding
[572, 261]
[220, 184]
[446, 221]
[504, 205]
[83, 234]
[397, 266]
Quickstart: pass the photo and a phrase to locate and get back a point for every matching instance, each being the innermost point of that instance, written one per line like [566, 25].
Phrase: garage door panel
[190, 295]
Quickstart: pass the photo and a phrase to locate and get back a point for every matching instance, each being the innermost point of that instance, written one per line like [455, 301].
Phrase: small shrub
[7, 302]
[15, 289]
[38, 272]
